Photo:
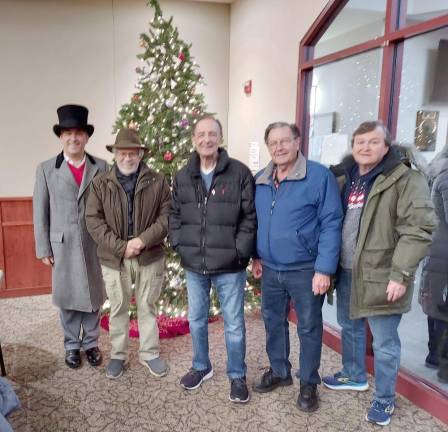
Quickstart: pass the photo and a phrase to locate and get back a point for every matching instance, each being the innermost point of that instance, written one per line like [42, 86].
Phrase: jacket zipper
[142, 186]
[204, 219]
[274, 197]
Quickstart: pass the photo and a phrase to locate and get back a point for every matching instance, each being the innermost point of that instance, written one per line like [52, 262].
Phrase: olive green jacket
[394, 235]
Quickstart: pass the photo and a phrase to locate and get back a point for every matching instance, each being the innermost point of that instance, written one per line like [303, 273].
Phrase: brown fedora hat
[127, 139]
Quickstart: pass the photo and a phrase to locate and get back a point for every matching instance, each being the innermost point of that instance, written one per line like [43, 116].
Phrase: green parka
[394, 235]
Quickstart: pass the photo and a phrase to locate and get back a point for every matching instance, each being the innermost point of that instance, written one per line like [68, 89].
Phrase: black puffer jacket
[213, 232]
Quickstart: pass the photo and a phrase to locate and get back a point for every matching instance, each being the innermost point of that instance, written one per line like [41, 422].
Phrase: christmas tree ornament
[164, 110]
[184, 123]
[168, 156]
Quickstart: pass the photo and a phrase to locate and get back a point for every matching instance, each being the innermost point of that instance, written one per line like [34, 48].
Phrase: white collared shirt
[76, 165]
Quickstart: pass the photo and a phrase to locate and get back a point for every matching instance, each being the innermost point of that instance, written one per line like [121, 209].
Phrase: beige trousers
[148, 282]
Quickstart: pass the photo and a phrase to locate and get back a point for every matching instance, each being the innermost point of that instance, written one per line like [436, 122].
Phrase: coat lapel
[64, 173]
[89, 172]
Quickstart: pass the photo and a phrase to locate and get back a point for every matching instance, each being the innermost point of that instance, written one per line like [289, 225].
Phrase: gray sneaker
[115, 369]
[156, 366]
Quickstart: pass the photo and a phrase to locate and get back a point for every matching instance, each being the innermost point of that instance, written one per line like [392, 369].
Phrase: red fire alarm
[248, 87]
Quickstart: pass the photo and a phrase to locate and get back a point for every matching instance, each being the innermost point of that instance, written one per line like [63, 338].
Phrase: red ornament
[136, 98]
[168, 156]
[181, 56]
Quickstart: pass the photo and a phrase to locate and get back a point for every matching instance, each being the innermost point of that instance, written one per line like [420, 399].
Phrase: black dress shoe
[307, 400]
[269, 382]
[94, 356]
[73, 358]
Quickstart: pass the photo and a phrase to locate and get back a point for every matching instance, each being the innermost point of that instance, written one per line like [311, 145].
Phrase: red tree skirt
[168, 327]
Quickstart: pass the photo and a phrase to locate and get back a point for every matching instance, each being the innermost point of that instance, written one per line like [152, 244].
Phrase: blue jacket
[299, 223]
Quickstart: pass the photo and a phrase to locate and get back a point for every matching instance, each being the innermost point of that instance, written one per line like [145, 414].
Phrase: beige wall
[264, 46]
[65, 51]
[61, 51]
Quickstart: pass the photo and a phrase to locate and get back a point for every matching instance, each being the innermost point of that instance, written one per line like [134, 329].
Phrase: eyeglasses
[282, 142]
[129, 154]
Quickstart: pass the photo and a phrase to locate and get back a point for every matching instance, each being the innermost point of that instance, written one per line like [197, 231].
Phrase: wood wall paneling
[24, 274]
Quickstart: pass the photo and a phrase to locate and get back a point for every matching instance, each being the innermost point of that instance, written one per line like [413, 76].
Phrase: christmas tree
[163, 110]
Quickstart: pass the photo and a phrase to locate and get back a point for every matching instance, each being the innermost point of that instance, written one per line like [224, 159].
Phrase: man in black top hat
[62, 239]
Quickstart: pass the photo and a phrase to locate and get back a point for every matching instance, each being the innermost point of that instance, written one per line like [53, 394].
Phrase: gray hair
[207, 117]
[279, 124]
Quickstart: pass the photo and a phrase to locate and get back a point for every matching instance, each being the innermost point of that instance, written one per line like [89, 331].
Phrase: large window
[362, 19]
[423, 102]
[381, 59]
[343, 93]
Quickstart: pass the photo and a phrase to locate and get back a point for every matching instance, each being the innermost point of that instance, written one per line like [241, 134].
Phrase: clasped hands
[134, 247]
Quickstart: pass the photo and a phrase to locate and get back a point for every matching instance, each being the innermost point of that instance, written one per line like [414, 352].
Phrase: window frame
[396, 32]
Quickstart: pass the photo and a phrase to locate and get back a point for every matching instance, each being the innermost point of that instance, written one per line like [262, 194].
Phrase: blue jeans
[386, 343]
[353, 332]
[230, 289]
[277, 288]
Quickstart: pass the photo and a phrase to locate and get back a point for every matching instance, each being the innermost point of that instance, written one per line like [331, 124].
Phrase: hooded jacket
[434, 278]
[394, 235]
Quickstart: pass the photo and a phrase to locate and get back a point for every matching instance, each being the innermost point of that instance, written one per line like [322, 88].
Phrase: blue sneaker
[341, 382]
[194, 378]
[380, 413]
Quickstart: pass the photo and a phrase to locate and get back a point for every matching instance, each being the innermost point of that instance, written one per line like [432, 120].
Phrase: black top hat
[73, 116]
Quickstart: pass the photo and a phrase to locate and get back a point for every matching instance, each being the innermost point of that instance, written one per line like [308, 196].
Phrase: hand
[321, 283]
[49, 260]
[395, 291]
[257, 268]
[133, 248]
[137, 242]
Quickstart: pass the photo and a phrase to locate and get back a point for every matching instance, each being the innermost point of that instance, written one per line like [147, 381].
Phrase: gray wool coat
[60, 231]
[434, 281]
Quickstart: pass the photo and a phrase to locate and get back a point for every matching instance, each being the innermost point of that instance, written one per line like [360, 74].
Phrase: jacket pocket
[377, 259]
[56, 236]
[424, 211]
[374, 287]
[306, 244]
